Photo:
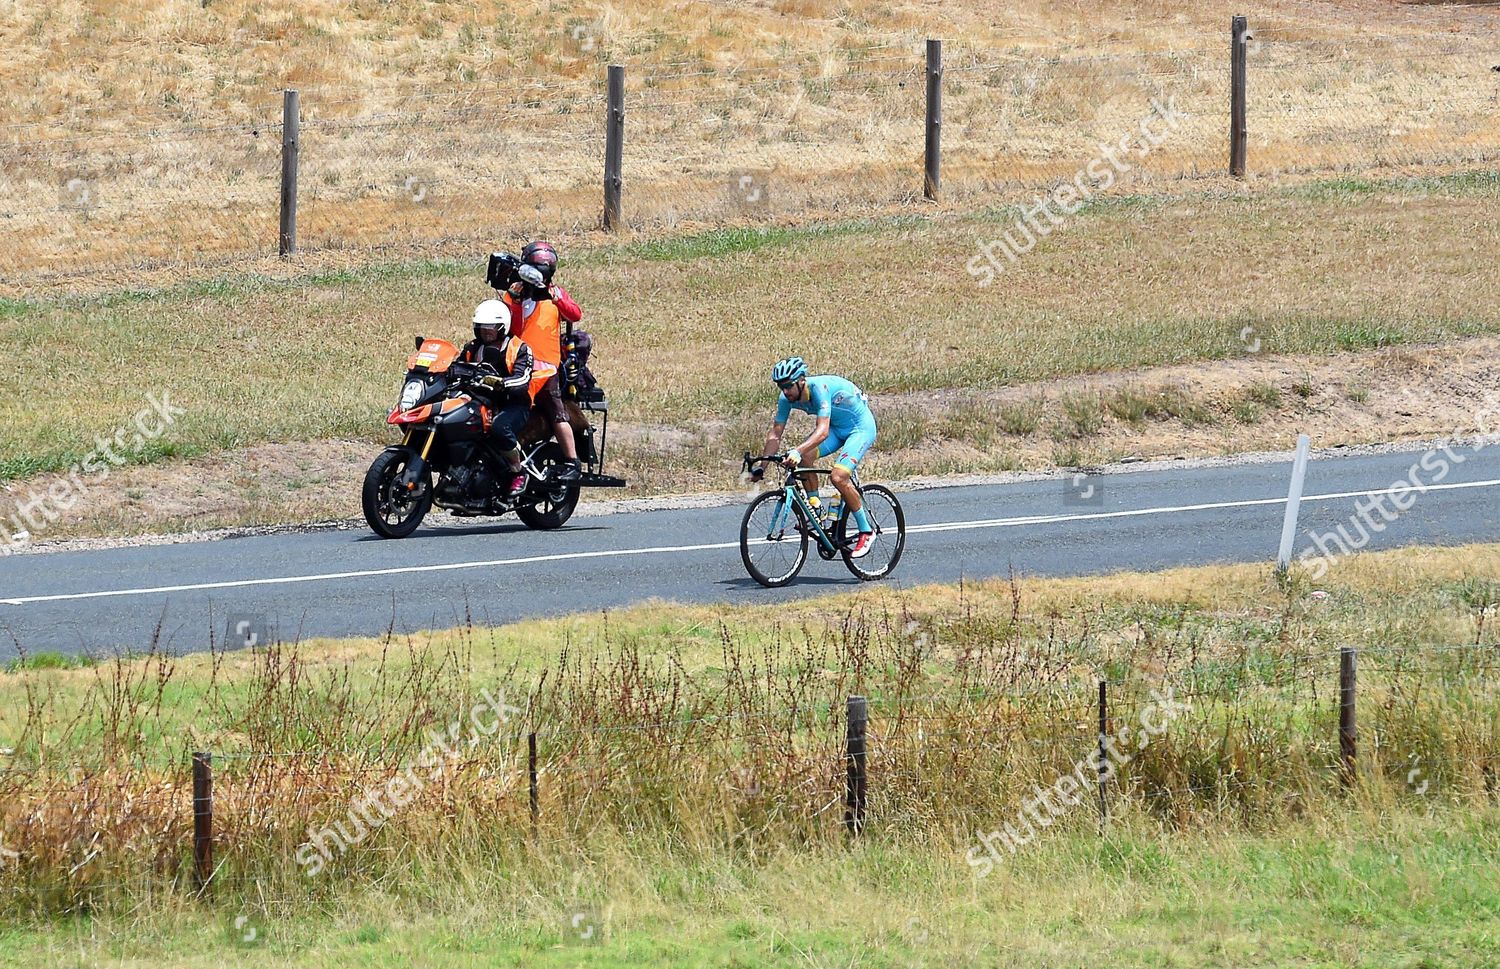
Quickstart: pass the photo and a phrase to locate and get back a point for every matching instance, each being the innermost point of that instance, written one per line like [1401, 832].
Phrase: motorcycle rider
[529, 298]
[506, 364]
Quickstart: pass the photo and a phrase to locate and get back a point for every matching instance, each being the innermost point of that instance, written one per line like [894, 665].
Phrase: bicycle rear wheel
[773, 545]
[889, 522]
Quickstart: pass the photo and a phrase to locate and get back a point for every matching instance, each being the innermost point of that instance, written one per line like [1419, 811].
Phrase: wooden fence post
[933, 156]
[531, 772]
[203, 818]
[614, 147]
[1103, 765]
[854, 787]
[1239, 34]
[1348, 746]
[291, 145]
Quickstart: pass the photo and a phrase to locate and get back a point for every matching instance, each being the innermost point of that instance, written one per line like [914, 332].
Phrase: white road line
[368, 573]
[668, 549]
[1177, 509]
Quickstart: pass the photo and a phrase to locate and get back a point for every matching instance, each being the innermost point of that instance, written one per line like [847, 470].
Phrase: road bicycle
[780, 524]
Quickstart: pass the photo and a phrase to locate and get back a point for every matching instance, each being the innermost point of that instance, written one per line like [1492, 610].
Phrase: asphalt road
[342, 583]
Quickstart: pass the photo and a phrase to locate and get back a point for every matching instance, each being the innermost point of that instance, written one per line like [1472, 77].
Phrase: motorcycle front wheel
[391, 509]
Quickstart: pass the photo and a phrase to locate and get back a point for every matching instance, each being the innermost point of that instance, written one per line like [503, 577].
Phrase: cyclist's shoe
[568, 472]
[517, 484]
[862, 544]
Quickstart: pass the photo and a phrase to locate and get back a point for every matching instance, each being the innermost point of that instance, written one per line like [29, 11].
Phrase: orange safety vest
[542, 331]
[540, 372]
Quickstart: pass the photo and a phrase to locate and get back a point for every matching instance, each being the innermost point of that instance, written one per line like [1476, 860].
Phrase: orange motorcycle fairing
[414, 416]
[433, 356]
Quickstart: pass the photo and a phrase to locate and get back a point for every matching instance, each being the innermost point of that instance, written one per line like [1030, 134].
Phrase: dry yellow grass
[1252, 404]
[717, 731]
[464, 122]
[1340, 268]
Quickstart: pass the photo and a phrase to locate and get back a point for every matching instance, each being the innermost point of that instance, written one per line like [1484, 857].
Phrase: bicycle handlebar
[777, 458]
[749, 461]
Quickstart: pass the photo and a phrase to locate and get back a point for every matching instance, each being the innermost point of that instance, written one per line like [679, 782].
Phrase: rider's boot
[569, 470]
[517, 483]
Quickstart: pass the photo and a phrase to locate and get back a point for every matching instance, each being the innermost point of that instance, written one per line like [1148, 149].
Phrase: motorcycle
[445, 435]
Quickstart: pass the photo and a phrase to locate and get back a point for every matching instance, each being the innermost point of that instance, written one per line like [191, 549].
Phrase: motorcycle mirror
[421, 340]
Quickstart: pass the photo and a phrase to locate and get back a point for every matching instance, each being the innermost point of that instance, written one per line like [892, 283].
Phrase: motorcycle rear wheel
[393, 512]
[548, 505]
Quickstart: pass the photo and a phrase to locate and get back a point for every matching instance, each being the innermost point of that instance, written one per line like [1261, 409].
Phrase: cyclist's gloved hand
[757, 473]
[793, 458]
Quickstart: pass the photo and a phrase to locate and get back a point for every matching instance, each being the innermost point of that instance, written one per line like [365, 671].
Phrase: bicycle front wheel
[773, 545]
[889, 522]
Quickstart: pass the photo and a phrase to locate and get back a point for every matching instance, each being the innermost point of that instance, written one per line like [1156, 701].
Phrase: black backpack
[577, 367]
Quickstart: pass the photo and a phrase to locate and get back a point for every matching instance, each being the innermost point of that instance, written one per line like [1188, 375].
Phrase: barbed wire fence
[443, 171]
[1249, 735]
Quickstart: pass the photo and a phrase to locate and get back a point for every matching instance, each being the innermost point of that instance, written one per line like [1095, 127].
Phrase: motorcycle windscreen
[433, 356]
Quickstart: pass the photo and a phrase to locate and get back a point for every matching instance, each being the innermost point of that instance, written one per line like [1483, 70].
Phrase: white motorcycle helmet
[492, 314]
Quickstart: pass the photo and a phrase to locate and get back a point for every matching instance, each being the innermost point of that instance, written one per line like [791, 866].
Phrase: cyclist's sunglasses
[788, 385]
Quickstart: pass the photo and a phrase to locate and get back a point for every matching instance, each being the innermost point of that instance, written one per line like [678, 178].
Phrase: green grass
[973, 423]
[1019, 419]
[1374, 890]
[49, 661]
[1247, 412]
[1478, 182]
[1081, 417]
[1264, 393]
[691, 775]
[1129, 404]
[724, 242]
[15, 307]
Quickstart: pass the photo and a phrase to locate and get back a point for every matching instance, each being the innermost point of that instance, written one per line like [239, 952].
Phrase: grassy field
[964, 377]
[1377, 890]
[691, 781]
[422, 124]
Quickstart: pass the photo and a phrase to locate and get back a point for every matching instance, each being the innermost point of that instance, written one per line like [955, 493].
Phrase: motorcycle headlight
[412, 393]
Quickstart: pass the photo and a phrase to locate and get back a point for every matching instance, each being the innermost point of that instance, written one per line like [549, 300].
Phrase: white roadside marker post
[1293, 501]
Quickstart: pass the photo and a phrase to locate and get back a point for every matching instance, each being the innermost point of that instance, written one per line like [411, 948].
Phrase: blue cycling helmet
[788, 370]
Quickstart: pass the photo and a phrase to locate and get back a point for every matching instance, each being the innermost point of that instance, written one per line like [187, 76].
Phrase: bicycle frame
[794, 493]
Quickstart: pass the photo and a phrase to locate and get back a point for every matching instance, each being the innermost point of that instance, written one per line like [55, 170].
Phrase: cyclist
[845, 425]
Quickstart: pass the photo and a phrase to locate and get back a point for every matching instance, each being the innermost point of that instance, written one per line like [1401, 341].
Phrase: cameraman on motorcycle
[505, 365]
[543, 255]
[541, 328]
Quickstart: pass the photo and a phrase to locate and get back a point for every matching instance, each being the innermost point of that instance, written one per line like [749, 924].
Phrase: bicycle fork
[777, 531]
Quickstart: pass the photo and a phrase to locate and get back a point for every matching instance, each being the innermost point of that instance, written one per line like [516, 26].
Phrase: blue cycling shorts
[851, 447]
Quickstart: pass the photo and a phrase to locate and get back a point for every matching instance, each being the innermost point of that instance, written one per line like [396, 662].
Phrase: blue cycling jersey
[835, 398]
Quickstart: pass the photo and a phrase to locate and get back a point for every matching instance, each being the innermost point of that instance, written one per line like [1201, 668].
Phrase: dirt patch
[1256, 403]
